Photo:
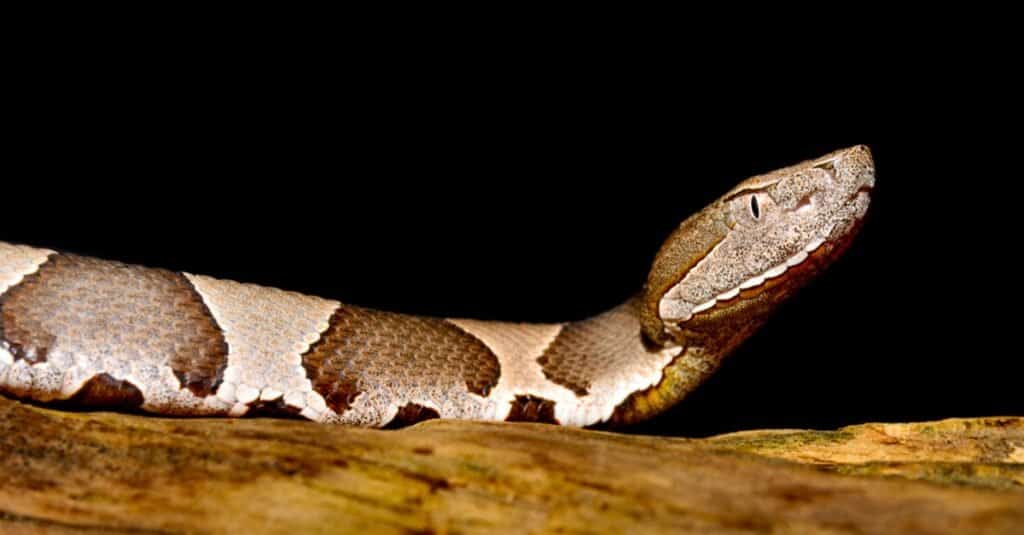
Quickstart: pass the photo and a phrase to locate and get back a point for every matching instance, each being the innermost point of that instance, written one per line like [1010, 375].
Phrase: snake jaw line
[754, 282]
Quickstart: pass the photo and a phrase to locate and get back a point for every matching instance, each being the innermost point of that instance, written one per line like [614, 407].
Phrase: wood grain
[65, 472]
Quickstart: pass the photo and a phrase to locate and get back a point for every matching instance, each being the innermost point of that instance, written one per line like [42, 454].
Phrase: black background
[541, 194]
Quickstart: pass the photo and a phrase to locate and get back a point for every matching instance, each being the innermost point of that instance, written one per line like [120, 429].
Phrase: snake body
[82, 332]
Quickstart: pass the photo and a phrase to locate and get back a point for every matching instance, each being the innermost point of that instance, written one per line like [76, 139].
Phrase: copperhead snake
[82, 332]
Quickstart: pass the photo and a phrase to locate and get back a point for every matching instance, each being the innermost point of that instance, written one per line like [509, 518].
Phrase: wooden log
[65, 472]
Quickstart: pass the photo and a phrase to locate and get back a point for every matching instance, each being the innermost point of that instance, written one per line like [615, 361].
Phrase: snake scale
[81, 332]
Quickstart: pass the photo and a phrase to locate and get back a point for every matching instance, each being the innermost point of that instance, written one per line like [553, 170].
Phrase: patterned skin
[88, 332]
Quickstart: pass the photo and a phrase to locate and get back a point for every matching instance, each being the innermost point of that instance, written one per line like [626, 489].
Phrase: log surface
[65, 472]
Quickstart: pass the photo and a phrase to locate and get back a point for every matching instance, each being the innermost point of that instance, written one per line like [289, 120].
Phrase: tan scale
[267, 331]
[517, 347]
[16, 262]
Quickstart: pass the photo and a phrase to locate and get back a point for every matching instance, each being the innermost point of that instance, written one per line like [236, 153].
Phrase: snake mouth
[815, 257]
[757, 284]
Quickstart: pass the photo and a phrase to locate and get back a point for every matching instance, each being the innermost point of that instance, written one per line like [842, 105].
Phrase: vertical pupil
[754, 208]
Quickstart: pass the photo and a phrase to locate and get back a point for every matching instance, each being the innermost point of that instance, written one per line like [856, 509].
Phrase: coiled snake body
[95, 333]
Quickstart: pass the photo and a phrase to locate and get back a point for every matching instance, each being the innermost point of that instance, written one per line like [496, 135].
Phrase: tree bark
[67, 472]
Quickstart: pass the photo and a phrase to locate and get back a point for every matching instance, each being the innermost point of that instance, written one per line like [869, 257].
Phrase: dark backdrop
[541, 202]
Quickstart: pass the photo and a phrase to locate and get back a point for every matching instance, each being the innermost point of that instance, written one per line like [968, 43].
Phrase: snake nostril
[806, 201]
[866, 189]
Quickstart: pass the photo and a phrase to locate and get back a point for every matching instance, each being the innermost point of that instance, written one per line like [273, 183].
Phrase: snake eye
[755, 208]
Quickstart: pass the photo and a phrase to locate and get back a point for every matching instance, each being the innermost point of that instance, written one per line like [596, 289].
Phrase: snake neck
[696, 355]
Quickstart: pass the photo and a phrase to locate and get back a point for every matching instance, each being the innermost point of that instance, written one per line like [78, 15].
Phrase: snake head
[725, 268]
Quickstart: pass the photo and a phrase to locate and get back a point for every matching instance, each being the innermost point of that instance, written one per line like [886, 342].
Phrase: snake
[81, 333]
